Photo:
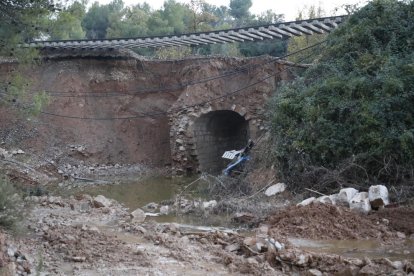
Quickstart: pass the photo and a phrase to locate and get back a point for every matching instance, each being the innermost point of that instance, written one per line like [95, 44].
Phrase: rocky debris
[209, 204]
[275, 189]
[378, 196]
[362, 202]
[306, 201]
[152, 206]
[165, 210]
[79, 170]
[243, 217]
[138, 216]
[101, 201]
[50, 201]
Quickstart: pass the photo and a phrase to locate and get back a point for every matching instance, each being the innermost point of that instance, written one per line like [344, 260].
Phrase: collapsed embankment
[110, 107]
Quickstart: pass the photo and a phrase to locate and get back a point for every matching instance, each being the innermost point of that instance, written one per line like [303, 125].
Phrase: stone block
[325, 200]
[345, 195]
[378, 196]
[362, 206]
[307, 201]
[275, 189]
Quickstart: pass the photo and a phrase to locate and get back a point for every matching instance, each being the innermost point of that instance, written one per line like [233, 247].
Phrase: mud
[399, 218]
[72, 237]
[323, 221]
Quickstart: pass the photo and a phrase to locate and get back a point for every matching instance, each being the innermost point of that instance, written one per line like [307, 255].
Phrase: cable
[143, 115]
[240, 69]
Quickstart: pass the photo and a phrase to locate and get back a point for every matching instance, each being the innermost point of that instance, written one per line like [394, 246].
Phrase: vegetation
[350, 117]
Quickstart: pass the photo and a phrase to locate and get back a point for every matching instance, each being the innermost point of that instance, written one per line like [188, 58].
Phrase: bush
[10, 207]
[352, 113]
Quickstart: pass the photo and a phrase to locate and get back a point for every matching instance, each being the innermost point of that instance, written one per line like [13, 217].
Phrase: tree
[68, 22]
[98, 19]
[239, 9]
[299, 42]
[134, 22]
[352, 112]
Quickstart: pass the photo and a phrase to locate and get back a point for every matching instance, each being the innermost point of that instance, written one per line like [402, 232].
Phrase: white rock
[101, 201]
[362, 206]
[275, 189]
[345, 195]
[334, 198]
[378, 196]
[307, 201]
[325, 200]
[138, 215]
[209, 204]
[165, 210]
[314, 272]
[359, 197]
[360, 203]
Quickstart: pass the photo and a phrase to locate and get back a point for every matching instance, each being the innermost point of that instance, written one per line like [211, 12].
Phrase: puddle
[154, 189]
[137, 194]
[358, 248]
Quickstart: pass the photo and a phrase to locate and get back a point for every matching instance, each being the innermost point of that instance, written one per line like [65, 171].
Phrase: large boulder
[138, 216]
[275, 189]
[360, 203]
[345, 195]
[101, 201]
[378, 196]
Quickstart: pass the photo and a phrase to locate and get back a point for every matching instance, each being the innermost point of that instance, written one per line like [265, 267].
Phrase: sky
[290, 10]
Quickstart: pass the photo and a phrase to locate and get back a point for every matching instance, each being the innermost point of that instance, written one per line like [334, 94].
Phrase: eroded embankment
[115, 107]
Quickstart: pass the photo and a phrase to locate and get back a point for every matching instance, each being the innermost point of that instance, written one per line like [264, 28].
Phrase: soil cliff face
[110, 107]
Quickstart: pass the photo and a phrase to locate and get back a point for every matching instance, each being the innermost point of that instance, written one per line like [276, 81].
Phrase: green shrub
[353, 112]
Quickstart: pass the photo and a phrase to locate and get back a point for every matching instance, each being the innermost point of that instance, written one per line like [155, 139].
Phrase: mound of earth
[400, 219]
[325, 222]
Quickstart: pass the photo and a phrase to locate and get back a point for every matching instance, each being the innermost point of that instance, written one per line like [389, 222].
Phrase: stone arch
[216, 132]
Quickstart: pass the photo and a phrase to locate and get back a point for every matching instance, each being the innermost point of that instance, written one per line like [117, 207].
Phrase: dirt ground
[74, 237]
[321, 222]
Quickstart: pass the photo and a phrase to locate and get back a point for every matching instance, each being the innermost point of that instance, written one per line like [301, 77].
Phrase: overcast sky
[289, 8]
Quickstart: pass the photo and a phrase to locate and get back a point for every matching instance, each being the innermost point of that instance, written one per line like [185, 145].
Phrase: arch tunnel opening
[215, 133]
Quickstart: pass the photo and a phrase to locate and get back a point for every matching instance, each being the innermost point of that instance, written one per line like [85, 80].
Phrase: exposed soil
[400, 219]
[324, 221]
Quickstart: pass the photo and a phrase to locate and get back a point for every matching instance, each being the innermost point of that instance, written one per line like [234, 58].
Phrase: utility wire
[164, 113]
[239, 70]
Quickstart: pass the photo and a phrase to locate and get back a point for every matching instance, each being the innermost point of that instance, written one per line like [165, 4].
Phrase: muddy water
[137, 194]
[153, 189]
[358, 248]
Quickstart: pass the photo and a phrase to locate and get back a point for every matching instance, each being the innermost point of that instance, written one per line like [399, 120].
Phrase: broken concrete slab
[325, 200]
[363, 206]
[360, 203]
[378, 196]
[334, 198]
[307, 201]
[275, 189]
[345, 195]
[359, 197]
